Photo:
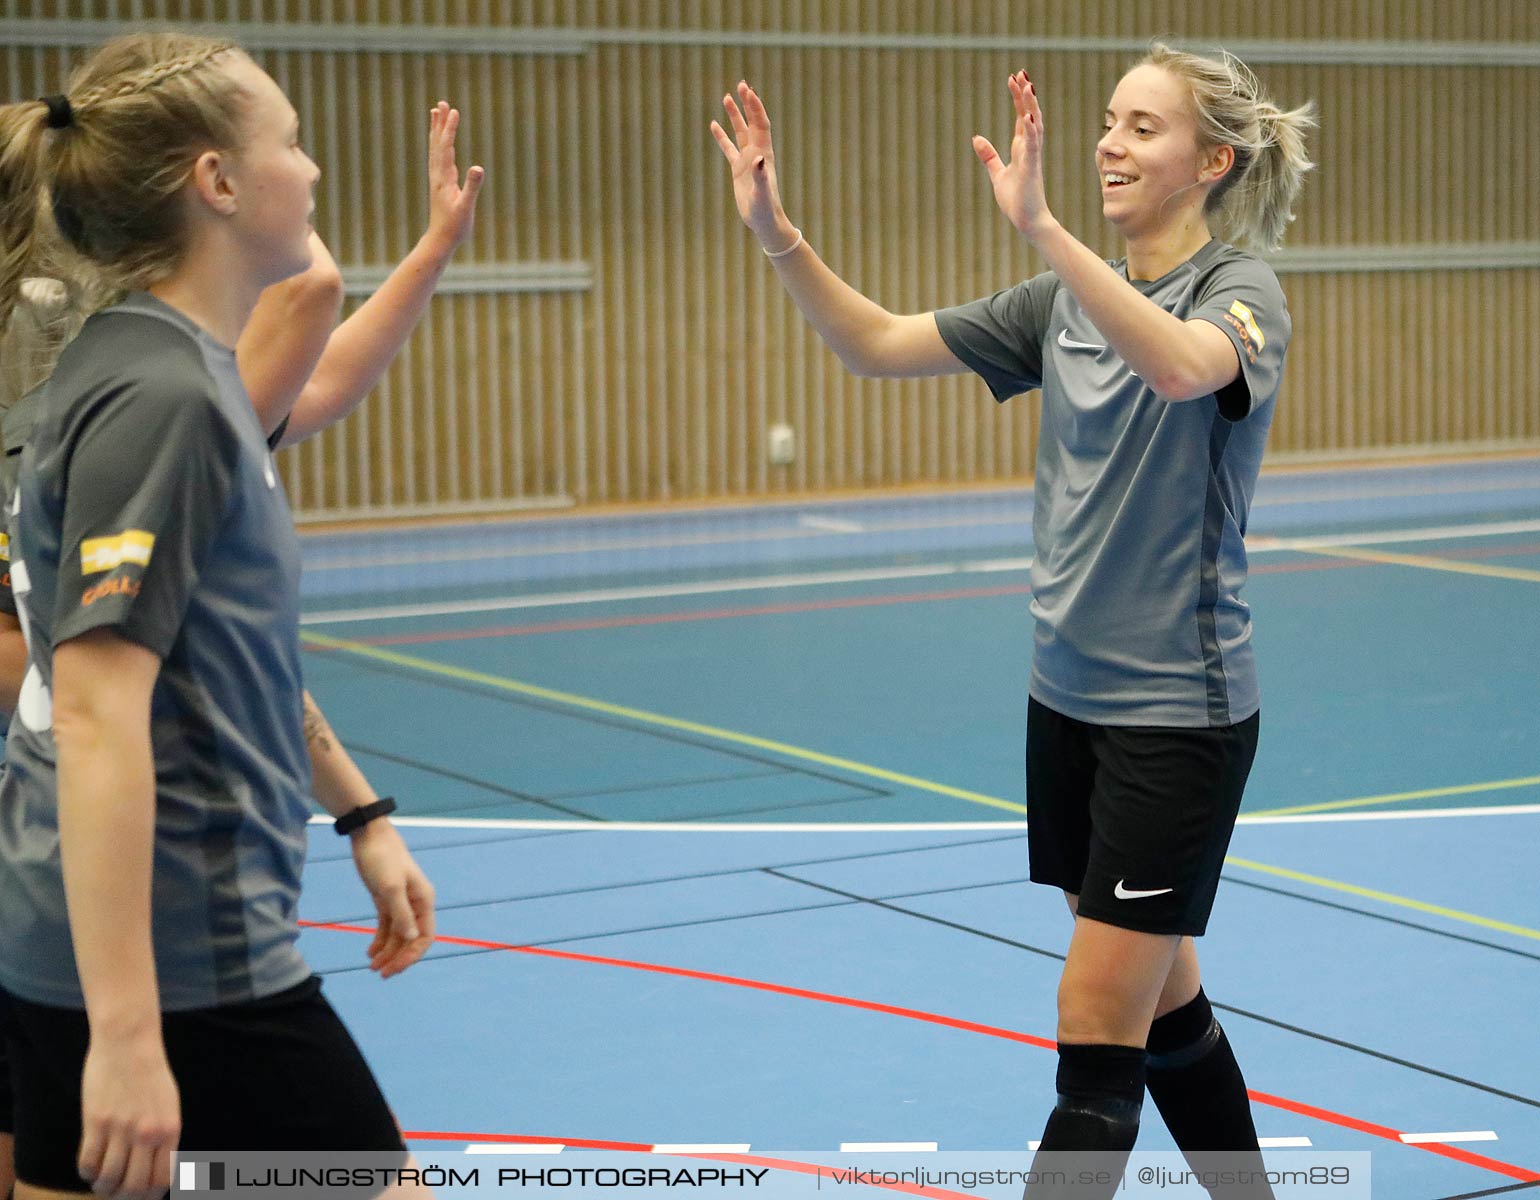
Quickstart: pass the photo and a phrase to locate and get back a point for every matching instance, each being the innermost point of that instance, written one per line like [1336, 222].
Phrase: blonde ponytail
[89, 187]
[1254, 203]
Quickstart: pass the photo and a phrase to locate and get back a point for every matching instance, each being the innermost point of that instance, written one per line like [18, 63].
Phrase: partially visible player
[149, 461]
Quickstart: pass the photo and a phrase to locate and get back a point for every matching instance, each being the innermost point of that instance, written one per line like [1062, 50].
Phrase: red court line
[1509, 1170]
[750, 1160]
[764, 610]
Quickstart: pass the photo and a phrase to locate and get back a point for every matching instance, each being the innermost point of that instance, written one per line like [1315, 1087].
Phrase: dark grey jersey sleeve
[1000, 337]
[150, 473]
[1243, 298]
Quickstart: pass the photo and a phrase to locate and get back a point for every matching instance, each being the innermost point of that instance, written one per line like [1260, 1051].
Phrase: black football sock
[1197, 1086]
[1101, 1089]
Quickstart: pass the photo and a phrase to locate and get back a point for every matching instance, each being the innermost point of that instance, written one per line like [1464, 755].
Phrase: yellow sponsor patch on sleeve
[1237, 309]
[103, 554]
[5, 547]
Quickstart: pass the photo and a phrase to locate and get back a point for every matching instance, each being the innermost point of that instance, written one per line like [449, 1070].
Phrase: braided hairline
[152, 76]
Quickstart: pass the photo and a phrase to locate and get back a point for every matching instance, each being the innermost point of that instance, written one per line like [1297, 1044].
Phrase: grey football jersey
[1140, 504]
[148, 504]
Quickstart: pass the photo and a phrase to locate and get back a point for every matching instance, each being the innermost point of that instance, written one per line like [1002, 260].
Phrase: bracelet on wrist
[350, 822]
[797, 241]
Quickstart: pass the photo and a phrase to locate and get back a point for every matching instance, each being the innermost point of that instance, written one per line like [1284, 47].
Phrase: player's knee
[1089, 1016]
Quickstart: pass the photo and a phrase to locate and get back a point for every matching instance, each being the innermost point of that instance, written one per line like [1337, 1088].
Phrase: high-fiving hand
[1018, 184]
[451, 207]
[752, 157]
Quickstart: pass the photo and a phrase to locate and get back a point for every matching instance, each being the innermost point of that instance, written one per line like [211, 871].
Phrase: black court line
[664, 822]
[460, 777]
[1364, 912]
[1295, 1029]
[667, 784]
[1501, 1191]
[683, 877]
[610, 933]
[522, 836]
[719, 920]
[580, 814]
[592, 718]
[787, 806]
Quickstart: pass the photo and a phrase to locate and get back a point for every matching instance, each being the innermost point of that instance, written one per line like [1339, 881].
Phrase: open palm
[1018, 184]
[751, 156]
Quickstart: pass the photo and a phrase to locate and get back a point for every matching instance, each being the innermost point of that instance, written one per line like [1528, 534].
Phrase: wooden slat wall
[660, 381]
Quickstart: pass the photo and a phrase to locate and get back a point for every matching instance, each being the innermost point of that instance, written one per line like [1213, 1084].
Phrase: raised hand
[751, 156]
[1018, 184]
[451, 207]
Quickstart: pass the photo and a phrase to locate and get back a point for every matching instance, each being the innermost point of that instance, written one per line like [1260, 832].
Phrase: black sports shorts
[279, 1073]
[1134, 819]
[7, 1111]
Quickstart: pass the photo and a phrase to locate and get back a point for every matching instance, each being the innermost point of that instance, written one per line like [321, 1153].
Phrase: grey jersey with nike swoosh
[1140, 504]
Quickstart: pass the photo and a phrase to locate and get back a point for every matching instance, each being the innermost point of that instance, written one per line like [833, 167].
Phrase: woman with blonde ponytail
[160, 729]
[1159, 373]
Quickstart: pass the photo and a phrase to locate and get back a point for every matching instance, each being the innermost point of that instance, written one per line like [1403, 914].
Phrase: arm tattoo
[317, 733]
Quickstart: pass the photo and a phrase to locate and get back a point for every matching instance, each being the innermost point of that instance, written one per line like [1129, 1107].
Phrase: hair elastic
[60, 114]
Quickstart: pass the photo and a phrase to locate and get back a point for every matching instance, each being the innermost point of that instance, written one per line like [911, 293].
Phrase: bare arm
[1180, 360]
[361, 348]
[13, 665]
[868, 338]
[403, 897]
[287, 332]
[101, 723]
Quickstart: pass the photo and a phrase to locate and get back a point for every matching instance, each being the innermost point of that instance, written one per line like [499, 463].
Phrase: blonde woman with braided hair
[1159, 373]
[160, 727]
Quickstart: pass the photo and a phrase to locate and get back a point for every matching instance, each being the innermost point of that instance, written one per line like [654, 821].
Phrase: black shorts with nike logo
[1134, 819]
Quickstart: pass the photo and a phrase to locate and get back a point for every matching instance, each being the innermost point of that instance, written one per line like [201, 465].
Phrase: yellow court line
[1453, 914]
[1425, 561]
[501, 683]
[1464, 789]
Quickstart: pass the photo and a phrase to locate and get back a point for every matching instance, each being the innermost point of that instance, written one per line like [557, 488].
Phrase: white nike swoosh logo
[1123, 893]
[1070, 343]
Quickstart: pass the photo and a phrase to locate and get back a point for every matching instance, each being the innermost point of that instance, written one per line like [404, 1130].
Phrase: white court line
[1258, 545]
[1409, 814]
[701, 1148]
[887, 1147]
[831, 525]
[514, 1148]
[675, 542]
[605, 595]
[1506, 810]
[1473, 1135]
[1432, 533]
[1284, 1143]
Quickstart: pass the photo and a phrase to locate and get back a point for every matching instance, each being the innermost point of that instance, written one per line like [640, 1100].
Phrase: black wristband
[361, 816]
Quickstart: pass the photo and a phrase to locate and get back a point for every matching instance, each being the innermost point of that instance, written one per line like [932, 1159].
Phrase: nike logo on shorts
[1070, 343]
[1123, 893]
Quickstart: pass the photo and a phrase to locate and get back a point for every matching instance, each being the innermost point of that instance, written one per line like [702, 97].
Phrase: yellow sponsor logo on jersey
[5, 547]
[1240, 310]
[103, 554]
